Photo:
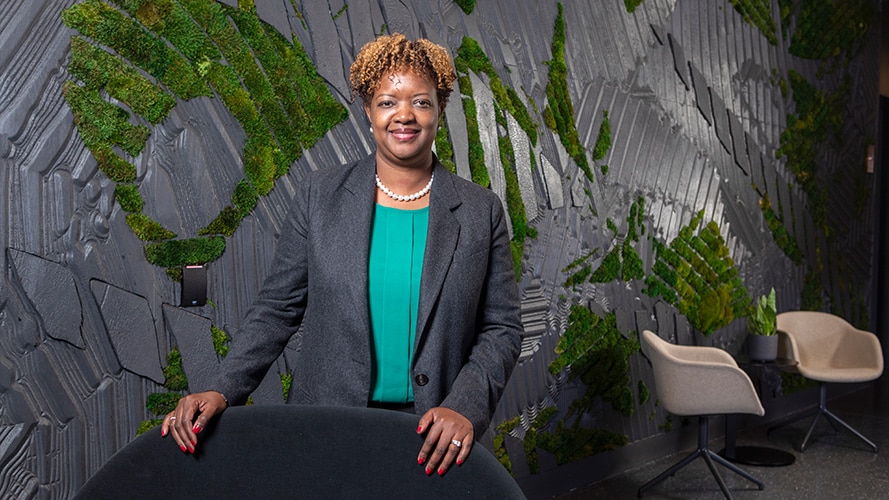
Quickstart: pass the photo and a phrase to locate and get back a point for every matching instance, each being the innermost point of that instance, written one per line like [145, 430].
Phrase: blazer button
[422, 379]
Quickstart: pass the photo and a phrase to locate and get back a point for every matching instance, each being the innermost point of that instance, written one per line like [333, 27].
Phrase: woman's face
[404, 114]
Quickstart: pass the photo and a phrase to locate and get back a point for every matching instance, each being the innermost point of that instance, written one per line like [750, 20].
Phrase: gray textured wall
[86, 322]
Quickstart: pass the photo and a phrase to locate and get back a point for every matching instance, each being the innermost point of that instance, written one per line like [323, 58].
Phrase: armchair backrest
[823, 340]
[697, 380]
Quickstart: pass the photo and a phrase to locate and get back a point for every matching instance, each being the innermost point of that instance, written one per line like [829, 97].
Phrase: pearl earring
[371, 129]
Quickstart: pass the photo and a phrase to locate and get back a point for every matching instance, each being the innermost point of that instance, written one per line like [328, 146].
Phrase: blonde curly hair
[396, 52]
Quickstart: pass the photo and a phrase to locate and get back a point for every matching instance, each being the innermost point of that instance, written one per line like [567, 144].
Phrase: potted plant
[762, 343]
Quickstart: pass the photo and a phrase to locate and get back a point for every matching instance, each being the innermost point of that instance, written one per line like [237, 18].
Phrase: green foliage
[829, 29]
[792, 383]
[127, 195]
[570, 444]
[812, 294]
[621, 262]
[632, 4]
[597, 354]
[268, 84]
[147, 229]
[477, 169]
[758, 13]
[817, 114]
[500, 442]
[174, 375]
[471, 57]
[220, 341]
[103, 125]
[443, 148]
[782, 237]
[107, 26]
[598, 357]
[98, 70]
[632, 263]
[466, 5]
[603, 140]
[286, 381]
[761, 320]
[193, 251]
[161, 403]
[147, 425]
[609, 269]
[245, 197]
[697, 276]
[559, 112]
[226, 223]
[644, 392]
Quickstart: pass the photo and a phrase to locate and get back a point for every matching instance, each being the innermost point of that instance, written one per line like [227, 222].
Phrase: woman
[399, 272]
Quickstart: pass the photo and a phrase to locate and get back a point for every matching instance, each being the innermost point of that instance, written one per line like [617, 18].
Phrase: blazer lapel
[441, 242]
[357, 201]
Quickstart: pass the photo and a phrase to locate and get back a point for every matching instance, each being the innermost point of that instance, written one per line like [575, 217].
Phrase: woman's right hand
[191, 416]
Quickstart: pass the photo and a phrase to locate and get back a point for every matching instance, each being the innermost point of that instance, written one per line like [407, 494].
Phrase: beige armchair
[699, 381]
[828, 349]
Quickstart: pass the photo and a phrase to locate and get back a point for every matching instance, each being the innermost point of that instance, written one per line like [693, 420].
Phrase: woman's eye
[423, 103]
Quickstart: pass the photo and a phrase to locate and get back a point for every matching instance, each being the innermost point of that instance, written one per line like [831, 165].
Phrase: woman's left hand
[449, 438]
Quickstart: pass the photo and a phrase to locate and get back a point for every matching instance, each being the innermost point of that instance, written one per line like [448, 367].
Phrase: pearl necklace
[411, 197]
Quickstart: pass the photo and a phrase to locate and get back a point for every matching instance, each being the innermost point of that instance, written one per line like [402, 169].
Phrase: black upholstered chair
[289, 451]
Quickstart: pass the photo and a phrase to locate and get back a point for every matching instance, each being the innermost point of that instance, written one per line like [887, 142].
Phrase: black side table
[765, 376]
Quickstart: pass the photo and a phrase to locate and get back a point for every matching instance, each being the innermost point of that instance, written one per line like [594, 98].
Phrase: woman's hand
[191, 416]
[449, 438]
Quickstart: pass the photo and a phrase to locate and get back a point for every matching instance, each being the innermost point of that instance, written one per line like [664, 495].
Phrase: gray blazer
[468, 327]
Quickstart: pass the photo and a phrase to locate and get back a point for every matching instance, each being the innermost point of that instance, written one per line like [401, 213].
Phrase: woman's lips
[404, 134]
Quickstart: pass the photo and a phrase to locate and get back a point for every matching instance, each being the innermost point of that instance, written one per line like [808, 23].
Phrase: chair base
[832, 419]
[709, 457]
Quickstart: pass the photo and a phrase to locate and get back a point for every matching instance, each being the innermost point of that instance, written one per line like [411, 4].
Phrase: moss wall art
[661, 163]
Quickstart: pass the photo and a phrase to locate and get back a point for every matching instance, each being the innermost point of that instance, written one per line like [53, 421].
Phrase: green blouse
[397, 245]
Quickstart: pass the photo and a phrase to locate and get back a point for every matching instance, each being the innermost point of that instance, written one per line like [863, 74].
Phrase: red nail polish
[420, 460]
[419, 429]
[196, 429]
[183, 448]
[163, 432]
[193, 442]
[441, 472]
[428, 472]
[459, 461]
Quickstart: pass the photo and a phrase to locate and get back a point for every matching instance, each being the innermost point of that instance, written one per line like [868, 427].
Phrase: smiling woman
[405, 86]
[398, 271]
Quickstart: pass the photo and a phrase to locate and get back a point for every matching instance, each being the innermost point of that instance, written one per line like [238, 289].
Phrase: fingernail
[163, 432]
[459, 461]
[428, 471]
[196, 429]
[420, 460]
[419, 429]
[441, 472]
[193, 442]
[183, 448]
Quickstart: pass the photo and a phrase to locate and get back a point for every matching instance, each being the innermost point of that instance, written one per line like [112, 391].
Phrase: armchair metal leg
[709, 456]
[832, 419]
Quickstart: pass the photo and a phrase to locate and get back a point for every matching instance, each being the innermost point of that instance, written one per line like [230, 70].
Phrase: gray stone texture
[86, 322]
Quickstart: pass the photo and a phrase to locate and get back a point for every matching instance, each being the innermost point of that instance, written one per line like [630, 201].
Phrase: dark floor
[835, 465]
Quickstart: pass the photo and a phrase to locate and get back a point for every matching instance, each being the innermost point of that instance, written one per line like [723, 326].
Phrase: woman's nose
[405, 113]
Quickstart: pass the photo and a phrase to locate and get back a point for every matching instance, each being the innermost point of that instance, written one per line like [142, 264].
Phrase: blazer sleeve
[276, 314]
[498, 334]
